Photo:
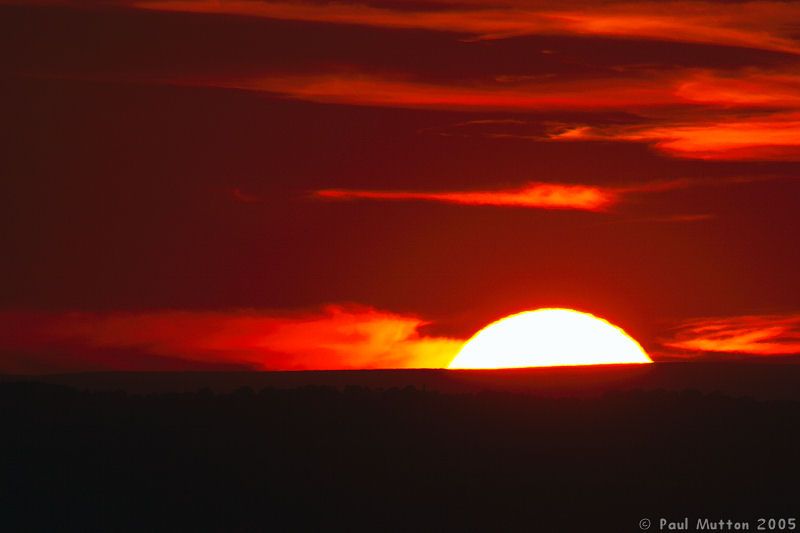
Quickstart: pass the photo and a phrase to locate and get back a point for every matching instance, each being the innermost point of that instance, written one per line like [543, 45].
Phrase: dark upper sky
[240, 185]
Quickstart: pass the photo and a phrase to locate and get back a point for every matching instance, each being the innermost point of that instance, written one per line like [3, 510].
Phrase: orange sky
[301, 184]
[334, 337]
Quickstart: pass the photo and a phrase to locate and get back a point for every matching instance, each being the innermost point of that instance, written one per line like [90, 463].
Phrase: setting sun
[549, 337]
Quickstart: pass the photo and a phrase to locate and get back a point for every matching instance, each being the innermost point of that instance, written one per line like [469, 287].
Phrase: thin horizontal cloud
[335, 337]
[774, 137]
[731, 116]
[687, 113]
[759, 24]
[726, 122]
[762, 138]
[766, 126]
[354, 88]
[534, 195]
[737, 115]
[692, 90]
[748, 87]
[753, 334]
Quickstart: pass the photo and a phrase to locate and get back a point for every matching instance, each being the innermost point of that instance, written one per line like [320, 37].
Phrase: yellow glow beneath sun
[549, 337]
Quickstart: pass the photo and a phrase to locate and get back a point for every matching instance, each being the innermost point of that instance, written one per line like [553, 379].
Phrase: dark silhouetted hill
[400, 459]
[778, 379]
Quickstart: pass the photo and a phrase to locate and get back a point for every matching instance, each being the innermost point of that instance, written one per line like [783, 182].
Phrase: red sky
[282, 185]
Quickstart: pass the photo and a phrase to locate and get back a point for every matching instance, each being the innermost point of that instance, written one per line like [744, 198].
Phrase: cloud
[535, 195]
[748, 87]
[760, 24]
[773, 137]
[738, 115]
[643, 89]
[753, 334]
[335, 337]
[755, 116]
[686, 113]
[358, 88]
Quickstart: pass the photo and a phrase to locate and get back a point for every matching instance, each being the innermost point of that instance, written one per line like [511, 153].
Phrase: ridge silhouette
[398, 459]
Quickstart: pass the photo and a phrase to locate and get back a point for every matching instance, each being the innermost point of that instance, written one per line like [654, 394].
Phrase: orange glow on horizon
[549, 337]
[332, 338]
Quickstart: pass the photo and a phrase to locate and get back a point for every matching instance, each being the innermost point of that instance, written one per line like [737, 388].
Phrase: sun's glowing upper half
[549, 337]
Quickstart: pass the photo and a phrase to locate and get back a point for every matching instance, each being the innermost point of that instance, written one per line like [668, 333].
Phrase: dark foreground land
[353, 458]
[777, 379]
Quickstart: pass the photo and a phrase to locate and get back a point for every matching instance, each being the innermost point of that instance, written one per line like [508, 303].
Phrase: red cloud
[742, 88]
[372, 90]
[760, 137]
[754, 334]
[756, 138]
[334, 338]
[729, 117]
[742, 123]
[672, 89]
[534, 195]
[746, 114]
[758, 24]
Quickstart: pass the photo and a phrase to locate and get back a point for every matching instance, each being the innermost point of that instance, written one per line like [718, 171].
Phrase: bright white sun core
[549, 337]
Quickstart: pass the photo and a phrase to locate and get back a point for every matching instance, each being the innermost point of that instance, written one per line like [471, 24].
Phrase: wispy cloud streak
[697, 113]
[753, 334]
[754, 115]
[773, 137]
[535, 195]
[747, 89]
[759, 24]
[382, 90]
[742, 115]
